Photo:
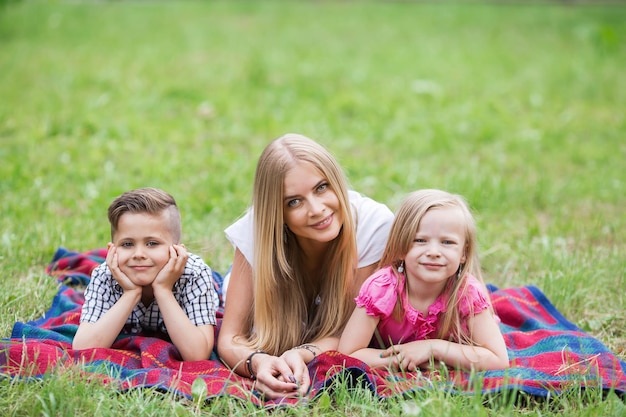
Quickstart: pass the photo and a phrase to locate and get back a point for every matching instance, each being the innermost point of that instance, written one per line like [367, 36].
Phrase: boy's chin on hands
[141, 279]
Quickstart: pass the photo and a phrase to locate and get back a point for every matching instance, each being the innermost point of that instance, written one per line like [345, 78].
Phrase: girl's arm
[490, 353]
[356, 337]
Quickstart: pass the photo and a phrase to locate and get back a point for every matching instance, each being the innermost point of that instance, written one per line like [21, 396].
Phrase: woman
[301, 254]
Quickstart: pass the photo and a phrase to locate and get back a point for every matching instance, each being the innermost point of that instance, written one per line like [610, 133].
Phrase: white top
[372, 219]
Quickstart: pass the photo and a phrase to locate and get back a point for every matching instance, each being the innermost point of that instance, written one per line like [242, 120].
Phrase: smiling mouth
[323, 223]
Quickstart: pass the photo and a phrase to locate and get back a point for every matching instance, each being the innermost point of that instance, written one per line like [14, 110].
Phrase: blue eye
[293, 203]
[322, 187]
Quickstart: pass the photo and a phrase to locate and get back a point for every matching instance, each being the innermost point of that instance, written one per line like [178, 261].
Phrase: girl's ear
[464, 256]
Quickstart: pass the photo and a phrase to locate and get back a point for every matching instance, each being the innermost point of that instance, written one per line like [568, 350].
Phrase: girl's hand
[173, 269]
[274, 377]
[113, 264]
[411, 356]
[489, 352]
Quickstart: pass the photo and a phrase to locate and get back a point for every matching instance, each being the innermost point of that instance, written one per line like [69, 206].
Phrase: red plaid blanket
[548, 354]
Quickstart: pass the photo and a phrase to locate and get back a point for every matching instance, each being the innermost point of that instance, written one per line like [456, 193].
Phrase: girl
[301, 253]
[428, 301]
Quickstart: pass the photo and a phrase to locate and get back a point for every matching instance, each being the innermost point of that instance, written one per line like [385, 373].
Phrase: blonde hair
[285, 313]
[147, 200]
[401, 236]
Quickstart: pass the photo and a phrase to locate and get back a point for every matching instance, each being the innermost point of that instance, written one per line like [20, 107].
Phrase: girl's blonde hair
[285, 312]
[401, 236]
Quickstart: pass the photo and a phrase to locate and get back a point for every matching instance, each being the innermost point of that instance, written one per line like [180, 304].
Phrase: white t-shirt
[372, 219]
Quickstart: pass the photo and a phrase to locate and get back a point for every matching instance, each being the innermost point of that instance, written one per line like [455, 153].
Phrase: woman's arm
[274, 377]
[236, 314]
[298, 357]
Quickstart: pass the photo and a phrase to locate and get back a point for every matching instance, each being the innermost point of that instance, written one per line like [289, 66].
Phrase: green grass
[520, 107]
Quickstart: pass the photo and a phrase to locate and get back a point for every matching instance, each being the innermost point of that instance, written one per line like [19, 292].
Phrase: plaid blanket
[548, 354]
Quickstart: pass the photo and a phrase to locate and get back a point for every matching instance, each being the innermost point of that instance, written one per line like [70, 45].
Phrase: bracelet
[249, 362]
[308, 347]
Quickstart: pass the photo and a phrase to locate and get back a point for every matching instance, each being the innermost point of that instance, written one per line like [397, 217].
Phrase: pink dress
[378, 296]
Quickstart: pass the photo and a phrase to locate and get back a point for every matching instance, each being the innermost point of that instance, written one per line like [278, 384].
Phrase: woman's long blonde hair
[285, 312]
[401, 236]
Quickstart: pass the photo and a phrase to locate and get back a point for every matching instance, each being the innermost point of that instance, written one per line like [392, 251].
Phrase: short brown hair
[149, 201]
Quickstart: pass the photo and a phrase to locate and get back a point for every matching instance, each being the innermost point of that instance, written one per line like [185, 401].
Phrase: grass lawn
[518, 106]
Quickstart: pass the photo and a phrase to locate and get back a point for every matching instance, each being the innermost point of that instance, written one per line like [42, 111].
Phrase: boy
[149, 281]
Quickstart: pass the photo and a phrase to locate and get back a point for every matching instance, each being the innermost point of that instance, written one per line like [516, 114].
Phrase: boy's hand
[121, 278]
[173, 269]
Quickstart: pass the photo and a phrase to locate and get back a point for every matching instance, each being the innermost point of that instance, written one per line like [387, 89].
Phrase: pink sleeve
[476, 296]
[378, 294]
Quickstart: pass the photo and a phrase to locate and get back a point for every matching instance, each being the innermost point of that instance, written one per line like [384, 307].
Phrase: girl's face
[143, 244]
[312, 209]
[438, 248]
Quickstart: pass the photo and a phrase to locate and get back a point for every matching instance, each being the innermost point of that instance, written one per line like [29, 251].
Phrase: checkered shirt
[194, 291]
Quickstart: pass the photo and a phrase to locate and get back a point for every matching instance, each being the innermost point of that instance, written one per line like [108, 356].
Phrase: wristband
[311, 348]
[249, 362]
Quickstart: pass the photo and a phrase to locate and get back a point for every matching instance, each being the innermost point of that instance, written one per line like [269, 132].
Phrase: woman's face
[312, 209]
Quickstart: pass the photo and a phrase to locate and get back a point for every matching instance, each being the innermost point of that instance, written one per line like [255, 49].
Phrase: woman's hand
[274, 376]
[296, 363]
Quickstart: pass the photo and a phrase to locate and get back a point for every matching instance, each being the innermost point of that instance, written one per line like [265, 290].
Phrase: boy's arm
[193, 342]
[103, 332]
[101, 322]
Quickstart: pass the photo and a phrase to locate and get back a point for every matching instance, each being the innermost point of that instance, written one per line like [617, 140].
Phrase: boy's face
[143, 243]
